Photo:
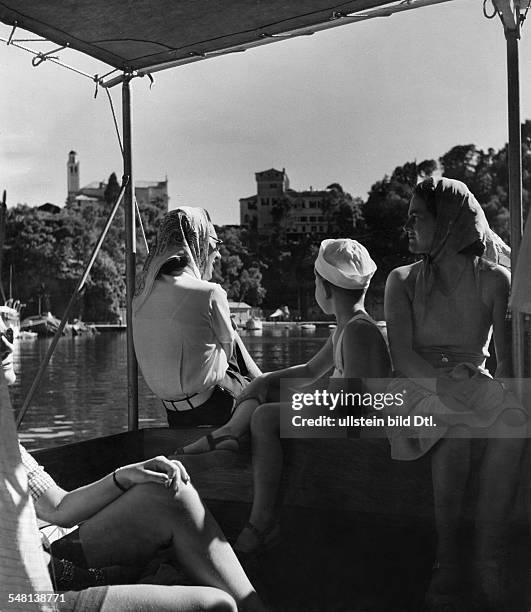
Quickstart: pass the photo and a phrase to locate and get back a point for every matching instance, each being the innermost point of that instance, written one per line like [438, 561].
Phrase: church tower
[72, 177]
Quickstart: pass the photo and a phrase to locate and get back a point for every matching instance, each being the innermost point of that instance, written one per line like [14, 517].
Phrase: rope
[141, 225]
[44, 57]
[115, 122]
[524, 16]
[485, 14]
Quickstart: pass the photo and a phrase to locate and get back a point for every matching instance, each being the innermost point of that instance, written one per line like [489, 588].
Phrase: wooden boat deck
[357, 527]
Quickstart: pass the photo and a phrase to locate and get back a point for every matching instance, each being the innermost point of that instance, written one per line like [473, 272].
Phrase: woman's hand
[169, 473]
[256, 389]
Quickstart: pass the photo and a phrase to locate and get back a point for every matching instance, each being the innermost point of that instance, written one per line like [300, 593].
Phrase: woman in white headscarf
[356, 351]
[187, 349]
[441, 313]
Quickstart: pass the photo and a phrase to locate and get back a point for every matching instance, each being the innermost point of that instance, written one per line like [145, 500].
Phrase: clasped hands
[161, 470]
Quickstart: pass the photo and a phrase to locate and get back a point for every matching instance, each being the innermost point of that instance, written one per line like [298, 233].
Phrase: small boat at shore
[47, 325]
[11, 317]
[308, 326]
[253, 324]
[27, 335]
[42, 325]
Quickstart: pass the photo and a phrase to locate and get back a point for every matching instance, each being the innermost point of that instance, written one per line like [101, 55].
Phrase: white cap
[345, 263]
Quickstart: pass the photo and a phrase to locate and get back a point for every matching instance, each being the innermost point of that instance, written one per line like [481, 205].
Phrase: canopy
[145, 36]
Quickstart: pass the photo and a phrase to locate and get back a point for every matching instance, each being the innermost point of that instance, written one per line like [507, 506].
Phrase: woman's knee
[163, 502]
[265, 419]
[216, 600]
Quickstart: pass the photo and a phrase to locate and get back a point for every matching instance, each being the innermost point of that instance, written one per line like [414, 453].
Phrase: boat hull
[356, 526]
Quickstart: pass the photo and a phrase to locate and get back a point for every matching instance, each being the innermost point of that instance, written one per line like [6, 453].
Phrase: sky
[342, 106]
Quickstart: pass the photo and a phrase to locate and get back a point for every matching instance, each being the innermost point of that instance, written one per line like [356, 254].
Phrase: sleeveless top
[337, 342]
[453, 328]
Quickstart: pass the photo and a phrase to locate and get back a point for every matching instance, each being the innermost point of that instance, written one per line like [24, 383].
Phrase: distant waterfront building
[146, 192]
[276, 207]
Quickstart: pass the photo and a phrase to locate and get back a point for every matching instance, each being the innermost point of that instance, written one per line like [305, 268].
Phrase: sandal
[490, 585]
[212, 445]
[266, 539]
[444, 592]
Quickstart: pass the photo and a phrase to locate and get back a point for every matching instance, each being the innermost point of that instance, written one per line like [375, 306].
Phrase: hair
[354, 294]
[426, 190]
[174, 265]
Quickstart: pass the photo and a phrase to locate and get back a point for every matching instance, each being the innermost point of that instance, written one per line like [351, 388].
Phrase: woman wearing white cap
[356, 350]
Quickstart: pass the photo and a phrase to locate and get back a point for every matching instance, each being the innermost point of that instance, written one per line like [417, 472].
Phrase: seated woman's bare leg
[498, 481]
[134, 527]
[267, 471]
[149, 597]
[227, 436]
[237, 426]
[450, 462]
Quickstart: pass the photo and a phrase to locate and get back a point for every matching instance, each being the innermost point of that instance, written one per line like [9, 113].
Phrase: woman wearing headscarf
[441, 313]
[187, 349]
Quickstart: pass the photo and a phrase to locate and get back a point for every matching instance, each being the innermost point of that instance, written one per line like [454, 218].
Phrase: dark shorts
[218, 408]
[69, 569]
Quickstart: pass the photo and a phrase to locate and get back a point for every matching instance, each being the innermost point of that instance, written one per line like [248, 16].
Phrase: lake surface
[83, 393]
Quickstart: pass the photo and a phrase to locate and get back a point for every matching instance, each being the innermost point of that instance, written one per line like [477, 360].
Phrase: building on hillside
[240, 312]
[276, 207]
[146, 192]
[50, 208]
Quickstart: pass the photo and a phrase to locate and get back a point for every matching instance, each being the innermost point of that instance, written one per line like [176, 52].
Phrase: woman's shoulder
[403, 279]
[362, 329]
[405, 273]
[495, 276]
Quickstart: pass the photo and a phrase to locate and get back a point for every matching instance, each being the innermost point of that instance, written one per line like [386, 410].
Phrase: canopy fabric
[142, 34]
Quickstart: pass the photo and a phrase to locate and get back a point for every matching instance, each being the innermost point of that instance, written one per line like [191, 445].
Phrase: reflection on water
[83, 393]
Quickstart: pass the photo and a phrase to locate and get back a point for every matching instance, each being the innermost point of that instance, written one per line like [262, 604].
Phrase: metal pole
[3, 215]
[515, 185]
[130, 257]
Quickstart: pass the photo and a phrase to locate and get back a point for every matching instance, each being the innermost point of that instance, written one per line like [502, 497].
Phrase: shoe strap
[213, 442]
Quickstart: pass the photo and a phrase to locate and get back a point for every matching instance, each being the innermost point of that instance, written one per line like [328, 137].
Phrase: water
[83, 393]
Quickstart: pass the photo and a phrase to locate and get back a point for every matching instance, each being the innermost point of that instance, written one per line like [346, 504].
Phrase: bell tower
[72, 177]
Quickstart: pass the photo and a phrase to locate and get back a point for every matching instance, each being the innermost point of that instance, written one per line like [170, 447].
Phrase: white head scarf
[345, 263]
[184, 231]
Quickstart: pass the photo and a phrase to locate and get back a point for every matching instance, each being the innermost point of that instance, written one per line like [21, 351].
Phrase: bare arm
[365, 354]
[501, 288]
[311, 371]
[66, 509]
[399, 318]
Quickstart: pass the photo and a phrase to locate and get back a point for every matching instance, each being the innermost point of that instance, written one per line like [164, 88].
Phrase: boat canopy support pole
[75, 295]
[515, 184]
[130, 255]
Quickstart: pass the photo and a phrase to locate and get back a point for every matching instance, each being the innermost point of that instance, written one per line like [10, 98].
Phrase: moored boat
[253, 324]
[42, 325]
[10, 315]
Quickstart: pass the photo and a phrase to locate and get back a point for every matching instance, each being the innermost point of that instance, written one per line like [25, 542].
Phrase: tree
[385, 213]
[342, 212]
[238, 272]
[112, 190]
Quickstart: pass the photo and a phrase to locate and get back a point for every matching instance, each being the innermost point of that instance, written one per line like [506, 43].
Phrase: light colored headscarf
[345, 263]
[184, 231]
[460, 222]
